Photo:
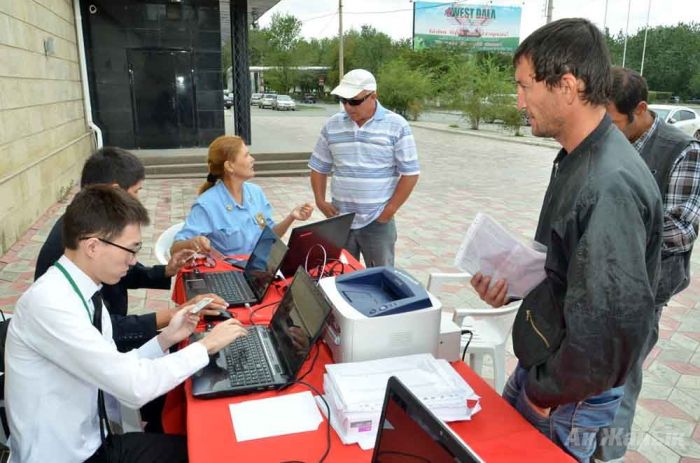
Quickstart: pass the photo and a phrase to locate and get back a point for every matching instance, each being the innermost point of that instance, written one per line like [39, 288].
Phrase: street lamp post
[644, 48]
[627, 28]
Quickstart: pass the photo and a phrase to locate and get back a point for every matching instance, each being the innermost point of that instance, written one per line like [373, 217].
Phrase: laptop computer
[269, 357]
[246, 287]
[331, 233]
[409, 432]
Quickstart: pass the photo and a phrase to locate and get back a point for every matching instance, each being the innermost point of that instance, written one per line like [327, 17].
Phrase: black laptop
[409, 432]
[330, 234]
[246, 287]
[268, 357]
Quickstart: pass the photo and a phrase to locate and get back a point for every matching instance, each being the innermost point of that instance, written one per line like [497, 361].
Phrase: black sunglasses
[355, 102]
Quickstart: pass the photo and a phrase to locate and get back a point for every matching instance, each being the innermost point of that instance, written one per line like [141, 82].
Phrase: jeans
[613, 440]
[376, 243]
[571, 426]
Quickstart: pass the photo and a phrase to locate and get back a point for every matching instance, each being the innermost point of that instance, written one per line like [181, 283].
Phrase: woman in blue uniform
[231, 212]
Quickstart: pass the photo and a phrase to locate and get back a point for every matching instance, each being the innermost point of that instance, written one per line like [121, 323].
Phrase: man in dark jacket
[111, 165]
[674, 159]
[578, 333]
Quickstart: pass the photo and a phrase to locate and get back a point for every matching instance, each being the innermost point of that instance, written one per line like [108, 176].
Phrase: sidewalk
[460, 176]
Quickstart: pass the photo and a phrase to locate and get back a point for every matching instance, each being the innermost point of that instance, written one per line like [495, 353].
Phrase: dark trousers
[139, 447]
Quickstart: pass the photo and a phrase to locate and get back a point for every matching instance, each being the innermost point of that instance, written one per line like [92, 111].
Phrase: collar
[379, 114]
[587, 142]
[84, 283]
[641, 141]
[228, 198]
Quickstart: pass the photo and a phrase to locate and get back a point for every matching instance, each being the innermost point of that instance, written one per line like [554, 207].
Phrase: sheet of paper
[492, 250]
[276, 416]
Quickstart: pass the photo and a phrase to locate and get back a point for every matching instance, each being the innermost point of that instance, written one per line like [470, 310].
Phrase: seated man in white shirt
[60, 358]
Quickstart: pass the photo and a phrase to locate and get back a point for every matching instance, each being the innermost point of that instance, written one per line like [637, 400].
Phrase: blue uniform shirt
[232, 228]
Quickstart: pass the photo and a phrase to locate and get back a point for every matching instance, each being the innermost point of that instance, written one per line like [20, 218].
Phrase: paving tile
[656, 452]
[665, 408]
[686, 402]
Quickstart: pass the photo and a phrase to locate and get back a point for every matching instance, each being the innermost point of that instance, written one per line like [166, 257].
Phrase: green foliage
[402, 89]
[672, 58]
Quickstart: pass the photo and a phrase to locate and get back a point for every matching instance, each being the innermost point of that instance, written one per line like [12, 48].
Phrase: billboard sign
[482, 27]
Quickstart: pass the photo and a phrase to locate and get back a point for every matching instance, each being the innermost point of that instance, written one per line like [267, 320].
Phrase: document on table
[276, 416]
[492, 250]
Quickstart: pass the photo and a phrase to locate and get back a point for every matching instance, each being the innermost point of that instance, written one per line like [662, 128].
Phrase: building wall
[43, 135]
[114, 28]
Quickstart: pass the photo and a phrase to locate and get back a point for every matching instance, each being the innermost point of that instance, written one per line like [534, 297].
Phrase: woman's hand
[302, 212]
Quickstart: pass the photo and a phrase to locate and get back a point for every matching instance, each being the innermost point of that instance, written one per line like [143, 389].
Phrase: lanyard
[75, 287]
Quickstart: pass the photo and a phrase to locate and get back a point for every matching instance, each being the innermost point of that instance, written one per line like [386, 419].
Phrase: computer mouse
[222, 315]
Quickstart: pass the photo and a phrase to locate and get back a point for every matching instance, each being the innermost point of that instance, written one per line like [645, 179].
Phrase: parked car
[267, 100]
[228, 100]
[284, 103]
[255, 99]
[682, 117]
[309, 98]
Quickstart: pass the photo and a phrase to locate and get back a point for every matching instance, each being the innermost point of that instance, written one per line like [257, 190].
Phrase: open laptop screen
[410, 433]
[330, 234]
[264, 262]
[298, 320]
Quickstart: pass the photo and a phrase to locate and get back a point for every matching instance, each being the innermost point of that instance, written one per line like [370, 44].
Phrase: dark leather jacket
[579, 331]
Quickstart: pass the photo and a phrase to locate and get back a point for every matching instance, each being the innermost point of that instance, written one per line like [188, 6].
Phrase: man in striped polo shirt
[372, 155]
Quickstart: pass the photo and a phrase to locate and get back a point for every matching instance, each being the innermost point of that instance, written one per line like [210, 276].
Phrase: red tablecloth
[497, 433]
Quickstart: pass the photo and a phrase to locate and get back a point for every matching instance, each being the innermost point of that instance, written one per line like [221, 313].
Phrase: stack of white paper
[490, 249]
[355, 393]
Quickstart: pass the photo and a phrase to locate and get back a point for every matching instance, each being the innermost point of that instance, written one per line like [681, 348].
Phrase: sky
[395, 17]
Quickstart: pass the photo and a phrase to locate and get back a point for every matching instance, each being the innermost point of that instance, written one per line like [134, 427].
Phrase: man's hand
[327, 208]
[214, 306]
[177, 261]
[496, 296]
[302, 212]
[386, 214]
[180, 327]
[222, 335]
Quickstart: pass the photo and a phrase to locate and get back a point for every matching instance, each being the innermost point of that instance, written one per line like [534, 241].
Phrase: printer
[379, 312]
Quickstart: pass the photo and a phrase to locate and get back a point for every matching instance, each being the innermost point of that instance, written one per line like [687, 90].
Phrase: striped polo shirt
[366, 162]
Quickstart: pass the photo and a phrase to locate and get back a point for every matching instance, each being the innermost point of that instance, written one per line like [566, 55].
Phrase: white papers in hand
[276, 416]
[490, 249]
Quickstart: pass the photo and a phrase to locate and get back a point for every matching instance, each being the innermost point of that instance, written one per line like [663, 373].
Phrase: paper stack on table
[355, 393]
[490, 249]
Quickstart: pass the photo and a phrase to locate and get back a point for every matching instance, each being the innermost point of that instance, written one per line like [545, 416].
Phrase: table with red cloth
[497, 433]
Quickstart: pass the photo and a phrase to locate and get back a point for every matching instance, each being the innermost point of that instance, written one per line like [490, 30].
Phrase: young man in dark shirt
[578, 333]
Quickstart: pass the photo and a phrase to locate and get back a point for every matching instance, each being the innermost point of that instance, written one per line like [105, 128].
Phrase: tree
[403, 89]
[477, 85]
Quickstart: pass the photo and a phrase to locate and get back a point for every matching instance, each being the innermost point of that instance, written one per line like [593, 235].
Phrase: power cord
[328, 424]
[471, 335]
[325, 260]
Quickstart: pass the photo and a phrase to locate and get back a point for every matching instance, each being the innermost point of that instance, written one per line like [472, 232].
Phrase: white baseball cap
[355, 82]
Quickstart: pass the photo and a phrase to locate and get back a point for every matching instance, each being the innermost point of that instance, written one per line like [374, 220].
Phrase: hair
[222, 149]
[102, 211]
[571, 45]
[629, 89]
[110, 165]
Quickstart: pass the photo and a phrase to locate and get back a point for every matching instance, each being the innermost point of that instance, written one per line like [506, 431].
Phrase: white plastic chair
[490, 327]
[131, 419]
[165, 242]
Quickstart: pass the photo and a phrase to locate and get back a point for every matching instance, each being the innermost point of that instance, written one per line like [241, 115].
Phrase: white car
[681, 117]
[284, 102]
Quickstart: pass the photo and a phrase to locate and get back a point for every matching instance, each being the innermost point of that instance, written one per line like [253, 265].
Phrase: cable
[471, 335]
[325, 260]
[278, 286]
[328, 424]
[313, 362]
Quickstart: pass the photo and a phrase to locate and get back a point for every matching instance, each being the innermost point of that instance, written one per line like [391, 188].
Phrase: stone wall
[44, 139]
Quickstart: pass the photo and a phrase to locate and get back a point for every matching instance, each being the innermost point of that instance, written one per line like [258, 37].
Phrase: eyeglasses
[355, 102]
[131, 251]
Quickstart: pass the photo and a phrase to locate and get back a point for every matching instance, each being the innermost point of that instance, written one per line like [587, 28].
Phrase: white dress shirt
[55, 360]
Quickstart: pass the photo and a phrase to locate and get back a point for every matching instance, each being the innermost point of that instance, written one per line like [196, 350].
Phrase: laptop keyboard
[228, 286]
[246, 362]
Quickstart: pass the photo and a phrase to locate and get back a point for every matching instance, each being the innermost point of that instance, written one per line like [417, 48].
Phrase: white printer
[380, 312]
